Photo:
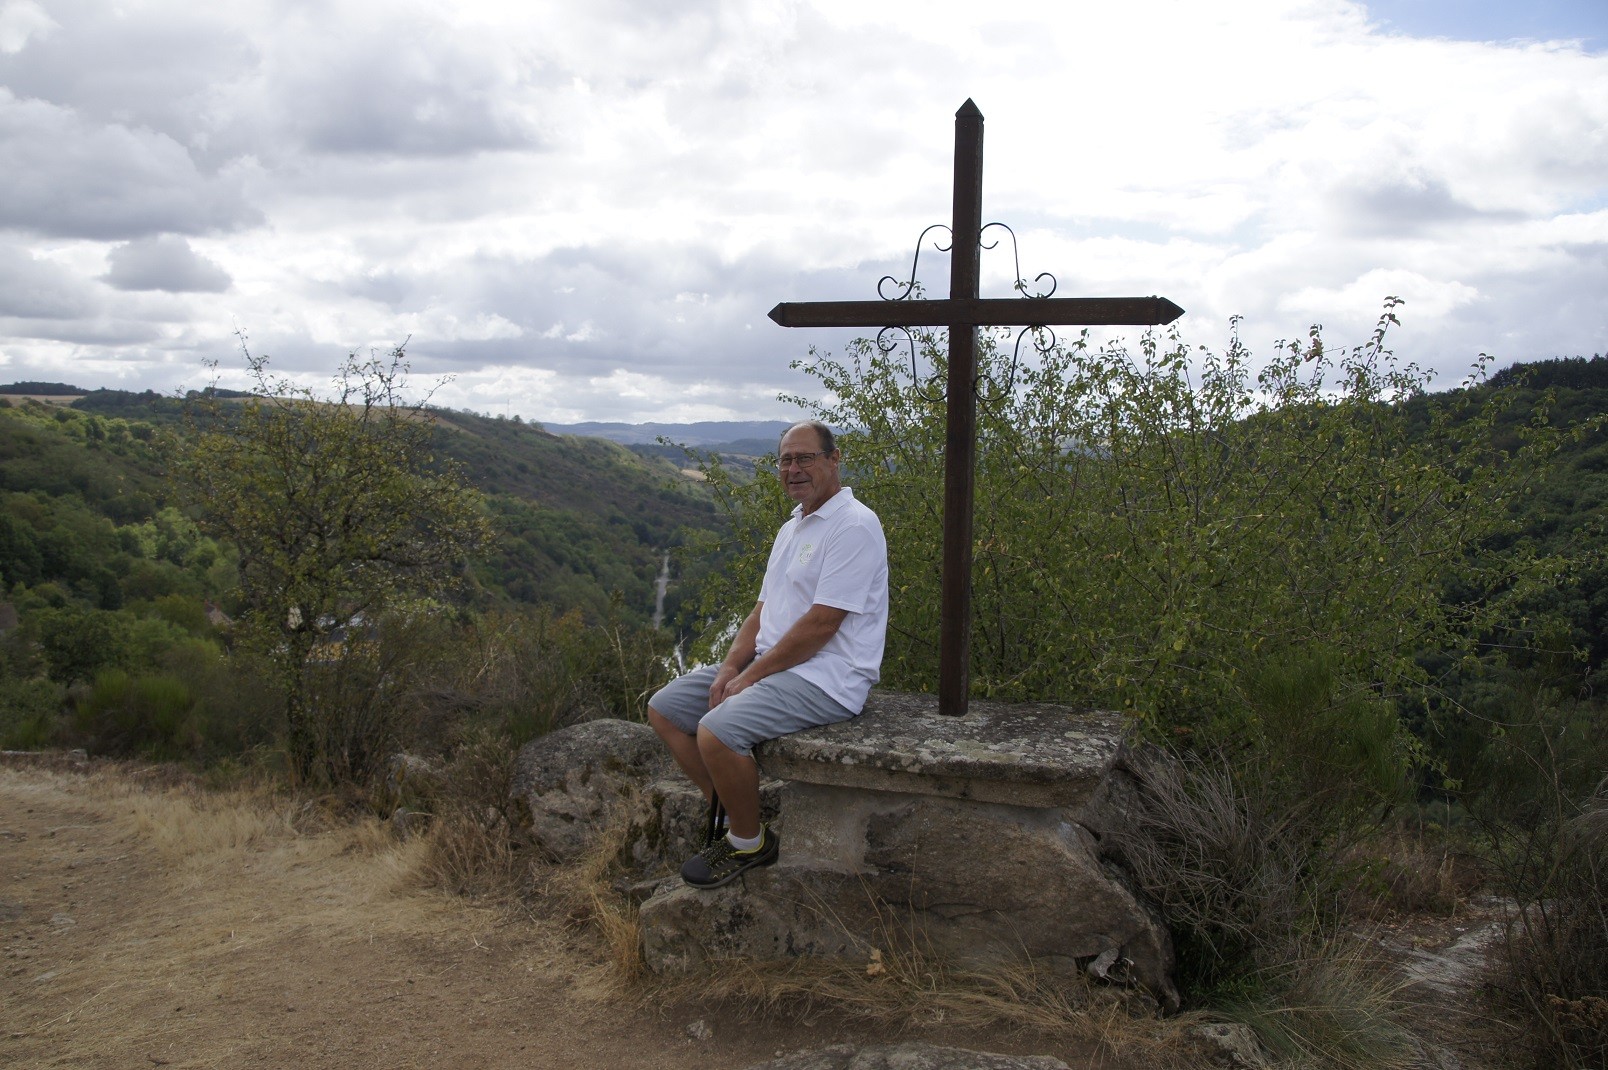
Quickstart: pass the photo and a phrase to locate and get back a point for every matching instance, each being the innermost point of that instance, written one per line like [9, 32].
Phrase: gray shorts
[780, 704]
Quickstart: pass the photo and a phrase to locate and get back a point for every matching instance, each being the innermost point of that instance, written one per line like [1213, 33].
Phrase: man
[807, 655]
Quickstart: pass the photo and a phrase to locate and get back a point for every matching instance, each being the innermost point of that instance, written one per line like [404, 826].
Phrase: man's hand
[721, 689]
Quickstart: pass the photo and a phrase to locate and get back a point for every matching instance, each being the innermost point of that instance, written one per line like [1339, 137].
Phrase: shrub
[1146, 522]
[30, 712]
[151, 716]
[1542, 801]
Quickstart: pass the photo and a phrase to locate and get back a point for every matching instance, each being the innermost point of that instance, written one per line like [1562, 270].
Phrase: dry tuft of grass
[586, 893]
[1333, 1006]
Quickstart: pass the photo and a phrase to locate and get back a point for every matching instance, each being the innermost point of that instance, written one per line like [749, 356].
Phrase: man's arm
[800, 643]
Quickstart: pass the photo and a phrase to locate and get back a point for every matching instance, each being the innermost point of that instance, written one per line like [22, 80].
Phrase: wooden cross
[963, 313]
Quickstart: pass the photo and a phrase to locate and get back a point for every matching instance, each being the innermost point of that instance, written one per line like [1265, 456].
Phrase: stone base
[976, 840]
[973, 884]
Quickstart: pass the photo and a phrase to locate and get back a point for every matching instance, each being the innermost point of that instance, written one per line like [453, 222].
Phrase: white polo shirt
[836, 556]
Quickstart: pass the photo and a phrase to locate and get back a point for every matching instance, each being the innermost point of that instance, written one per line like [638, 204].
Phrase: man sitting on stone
[806, 655]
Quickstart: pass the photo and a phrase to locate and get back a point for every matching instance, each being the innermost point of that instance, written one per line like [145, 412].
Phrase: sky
[583, 211]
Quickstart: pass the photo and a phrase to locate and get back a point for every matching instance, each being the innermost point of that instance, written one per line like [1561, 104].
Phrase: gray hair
[823, 433]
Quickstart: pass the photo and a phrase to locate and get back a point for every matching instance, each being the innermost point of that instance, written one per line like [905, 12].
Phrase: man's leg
[674, 712]
[736, 777]
[684, 749]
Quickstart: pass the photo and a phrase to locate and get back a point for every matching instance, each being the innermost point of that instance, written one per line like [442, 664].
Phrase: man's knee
[663, 725]
[711, 745]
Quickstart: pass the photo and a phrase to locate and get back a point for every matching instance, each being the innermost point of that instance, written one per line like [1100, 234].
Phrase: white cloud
[21, 21]
[626, 187]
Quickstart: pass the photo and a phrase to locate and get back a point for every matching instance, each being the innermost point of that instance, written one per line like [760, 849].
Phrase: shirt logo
[806, 552]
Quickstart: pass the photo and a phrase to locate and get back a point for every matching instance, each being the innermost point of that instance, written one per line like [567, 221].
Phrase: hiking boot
[721, 863]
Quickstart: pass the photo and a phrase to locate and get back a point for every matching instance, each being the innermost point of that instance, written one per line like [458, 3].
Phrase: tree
[340, 511]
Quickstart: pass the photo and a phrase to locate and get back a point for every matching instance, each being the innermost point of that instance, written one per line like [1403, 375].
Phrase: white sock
[742, 844]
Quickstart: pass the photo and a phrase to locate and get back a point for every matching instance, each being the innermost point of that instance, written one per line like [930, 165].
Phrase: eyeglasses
[802, 460]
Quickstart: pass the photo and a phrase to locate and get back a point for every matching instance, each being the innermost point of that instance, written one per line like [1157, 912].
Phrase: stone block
[976, 839]
[1024, 754]
[909, 1056]
[975, 884]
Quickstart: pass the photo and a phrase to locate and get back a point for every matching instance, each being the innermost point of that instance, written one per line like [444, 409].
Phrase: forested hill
[1570, 373]
[88, 508]
[581, 517]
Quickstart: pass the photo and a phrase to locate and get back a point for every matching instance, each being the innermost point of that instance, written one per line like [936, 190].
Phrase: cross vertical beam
[960, 439]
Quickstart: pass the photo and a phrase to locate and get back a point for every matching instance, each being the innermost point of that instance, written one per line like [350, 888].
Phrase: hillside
[89, 507]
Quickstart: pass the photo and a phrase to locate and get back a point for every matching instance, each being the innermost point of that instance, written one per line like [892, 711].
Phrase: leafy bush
[340, 509]
[30, 712]
[1539, 794]
[151, 716]
[1146, 523]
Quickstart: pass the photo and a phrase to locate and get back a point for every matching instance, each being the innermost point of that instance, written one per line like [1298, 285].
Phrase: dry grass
[1410, 871]
[584, 891]
[1335, 1006]
[899, 990]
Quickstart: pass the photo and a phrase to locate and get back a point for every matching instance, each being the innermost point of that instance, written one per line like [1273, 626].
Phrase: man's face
[810, 486]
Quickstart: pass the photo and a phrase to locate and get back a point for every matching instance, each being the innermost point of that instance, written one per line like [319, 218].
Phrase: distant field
[49, 399]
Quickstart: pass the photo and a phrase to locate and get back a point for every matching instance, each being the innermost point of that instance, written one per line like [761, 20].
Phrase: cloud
[570, 203]
[32, 288]
[69, 177]
[22, 21]
[165, 262]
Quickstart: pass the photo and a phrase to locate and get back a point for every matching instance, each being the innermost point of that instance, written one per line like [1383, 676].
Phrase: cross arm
[979, 312]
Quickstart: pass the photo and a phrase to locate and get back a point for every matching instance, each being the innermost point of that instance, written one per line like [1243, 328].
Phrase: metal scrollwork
[891, 289]
[1044, 341]
[887, 342]
[1020, 285]
[908, 287]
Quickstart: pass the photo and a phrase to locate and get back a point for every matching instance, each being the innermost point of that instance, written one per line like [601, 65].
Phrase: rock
[411, 779]
[1456, 969]
[614, 778]
[906, 1057]
[578, 780]
[1230, 1044]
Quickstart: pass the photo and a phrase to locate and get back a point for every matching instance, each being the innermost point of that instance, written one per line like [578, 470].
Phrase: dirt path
[145, 926]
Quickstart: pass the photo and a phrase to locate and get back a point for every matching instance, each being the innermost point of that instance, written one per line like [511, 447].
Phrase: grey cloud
[137, 67]
[1406, 206]
[165, 262]
[40, 290]
[406, 88]
[88, 332]
[679, 313]
[70, 178]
